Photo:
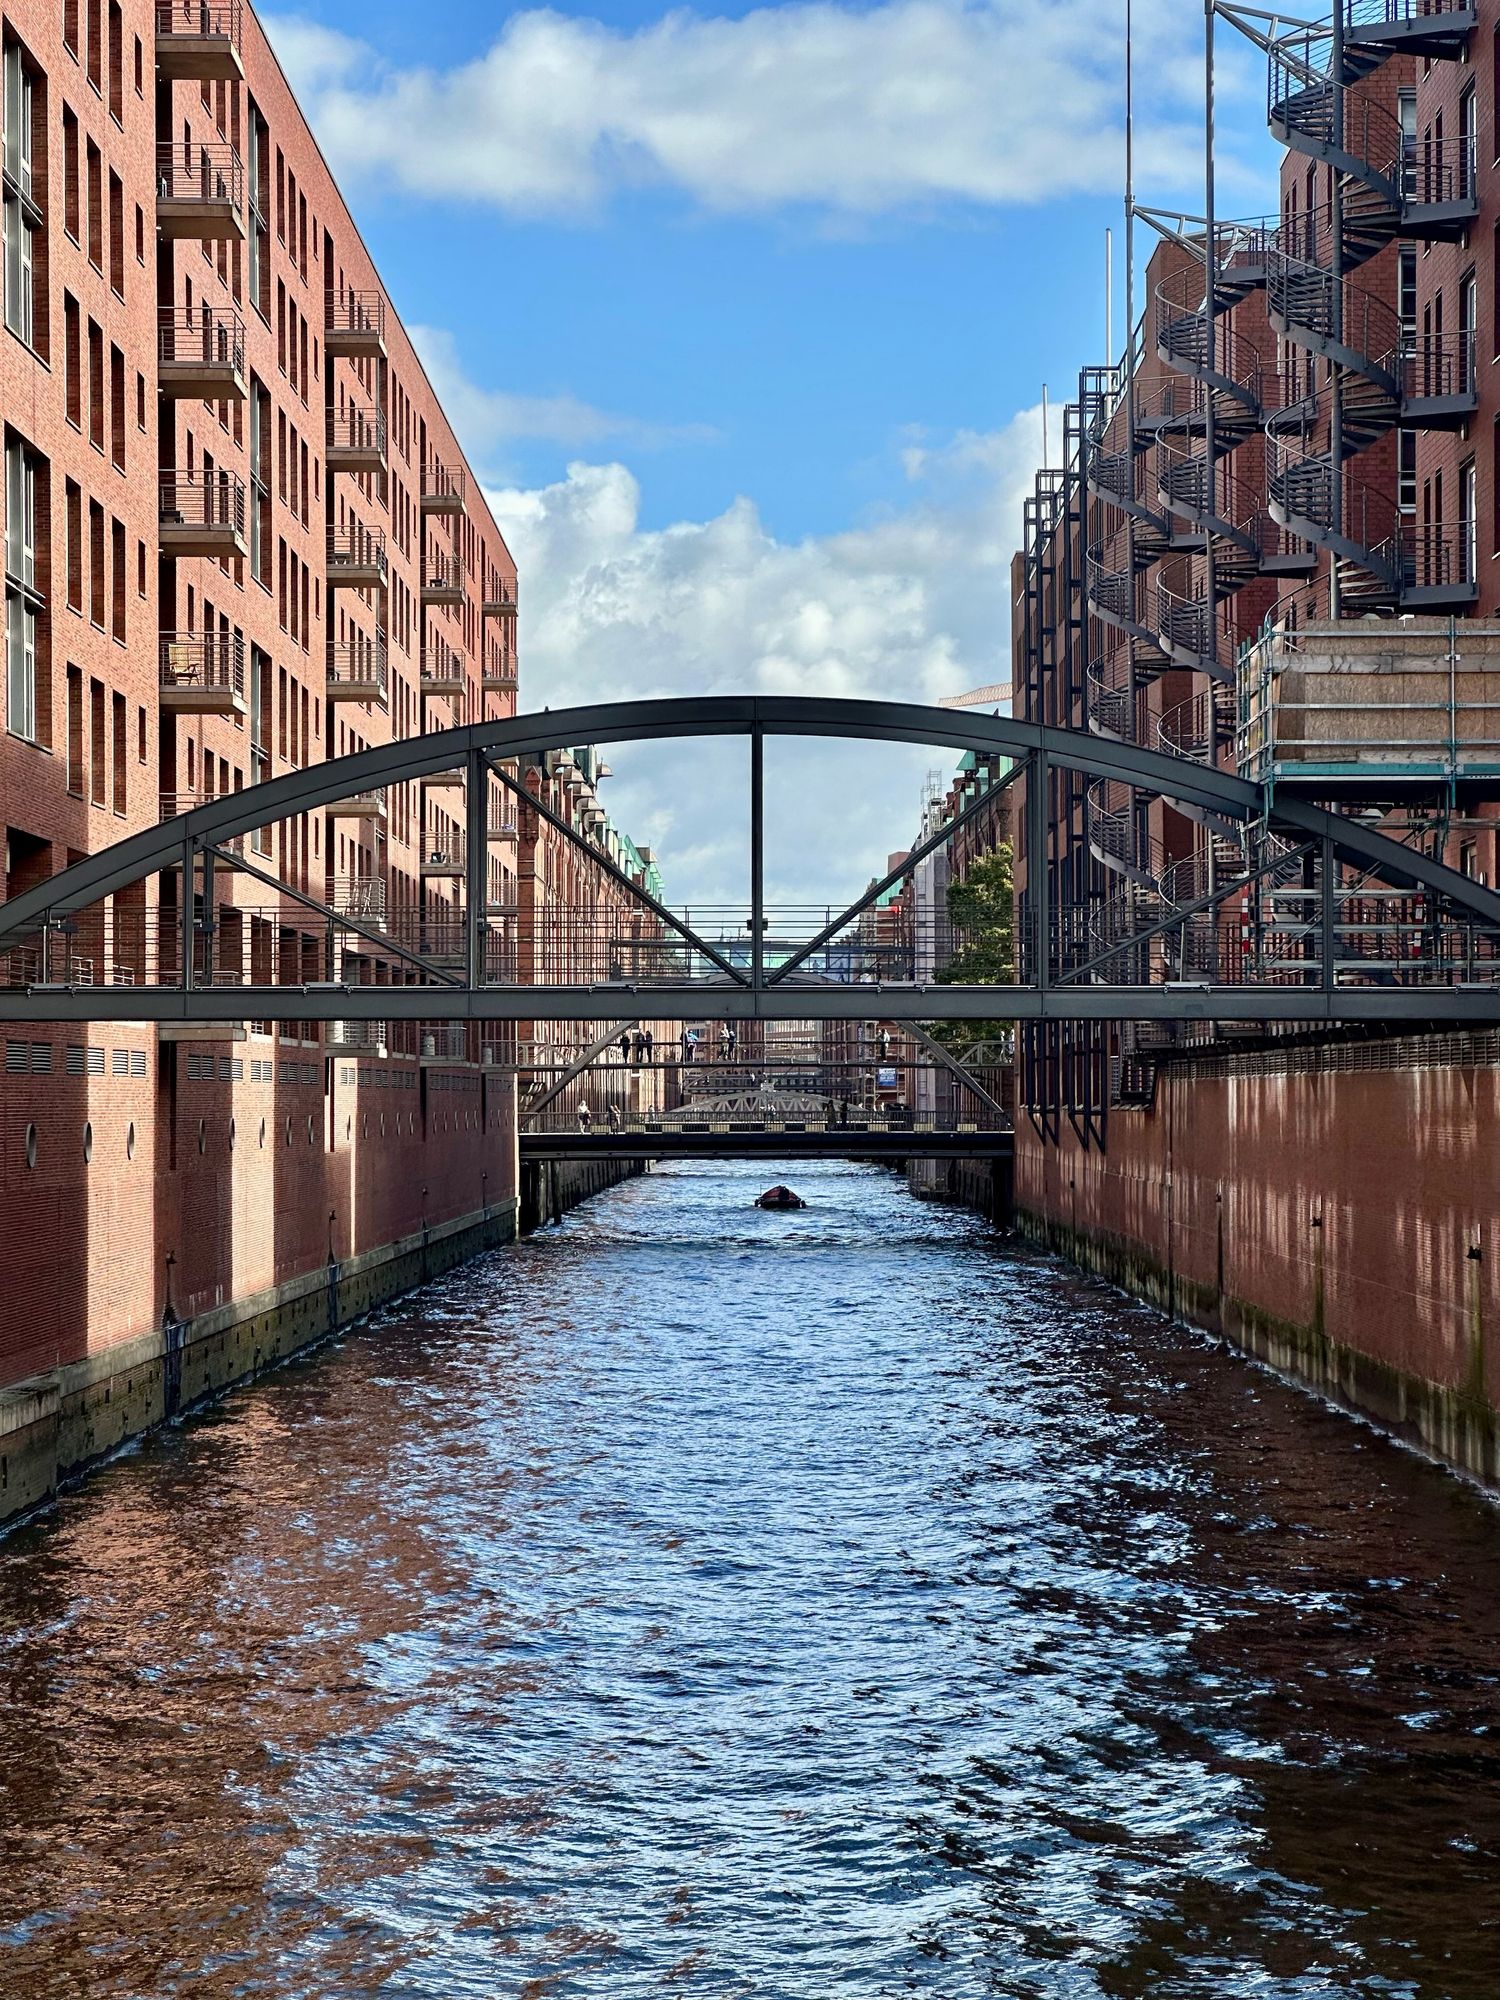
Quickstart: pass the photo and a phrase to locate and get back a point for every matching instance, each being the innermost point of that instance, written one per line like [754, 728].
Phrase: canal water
[700, 1602]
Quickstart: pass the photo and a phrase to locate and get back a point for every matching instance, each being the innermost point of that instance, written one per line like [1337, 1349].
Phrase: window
[117, 407]
[96, 742]
[1467, 135]
[96, 44]
[116, 63]
[74, 510]
[117, 757]
[1407, 108]
[24, 597]
[96, 563]
[75, 732]
[260, 482]
[1468, 521]
[257, 181]
[117, 578]
[22, 213]
[96, 205]
[73, 360]
[71, 203]
[96, 386]
[116, 235]
[70, 26]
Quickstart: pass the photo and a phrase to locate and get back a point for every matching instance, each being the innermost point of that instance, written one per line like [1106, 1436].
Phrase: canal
[696, 1601]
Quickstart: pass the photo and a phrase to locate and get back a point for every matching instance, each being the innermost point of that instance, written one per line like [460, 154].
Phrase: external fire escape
[1179, 530]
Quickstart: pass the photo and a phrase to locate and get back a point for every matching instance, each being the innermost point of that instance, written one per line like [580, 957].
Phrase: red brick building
[241, 536]
[1272, 546]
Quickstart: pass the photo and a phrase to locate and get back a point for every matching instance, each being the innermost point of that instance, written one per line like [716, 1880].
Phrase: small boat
[779, 1197]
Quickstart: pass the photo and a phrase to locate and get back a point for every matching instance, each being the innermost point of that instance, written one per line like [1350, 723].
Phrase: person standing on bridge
[624, 1046]
[585, 1116]
[649, 1042]
[614, 1116]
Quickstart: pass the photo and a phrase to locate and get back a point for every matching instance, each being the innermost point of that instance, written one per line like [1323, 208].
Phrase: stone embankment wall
[1335, 1211]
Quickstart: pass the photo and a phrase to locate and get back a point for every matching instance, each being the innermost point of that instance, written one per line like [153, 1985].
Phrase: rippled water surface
[696, 1601]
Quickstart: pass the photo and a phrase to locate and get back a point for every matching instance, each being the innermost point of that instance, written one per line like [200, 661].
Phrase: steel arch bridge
[372, 970]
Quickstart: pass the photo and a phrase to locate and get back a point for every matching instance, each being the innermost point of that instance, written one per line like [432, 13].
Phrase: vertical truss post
[206, 921]
[1210, 350]
[757, 859]
[1328, 911]
[1336, 305]
[1037, 886]
[476, 865]
[185, 914]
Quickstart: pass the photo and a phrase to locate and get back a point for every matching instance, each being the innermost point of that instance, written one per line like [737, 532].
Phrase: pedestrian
[638, 1047]
[614, 1116]
[584, 1116]
[625, 1046]
[650, 1043]
[687, 1045]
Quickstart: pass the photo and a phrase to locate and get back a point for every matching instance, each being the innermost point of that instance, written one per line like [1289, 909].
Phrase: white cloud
[852, 110]
[489, 419]
[910, 606]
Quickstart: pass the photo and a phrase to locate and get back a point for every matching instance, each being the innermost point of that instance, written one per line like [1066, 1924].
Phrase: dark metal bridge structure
[144, 930]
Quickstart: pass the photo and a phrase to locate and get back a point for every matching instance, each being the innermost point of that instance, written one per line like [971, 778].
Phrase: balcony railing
[502, 675]
[442, 579]
[359, 805]
[361, 896]
[445, 1042]
[500, 602]
[201, 353]
[203, 673]
[442, 671]
[443, 853]
[355, 323]
[201, 516]
[357, 557]
[444, 488]
[200, 191]
[186, 799]
[367, 1037]
[358, 670]
[356, 441]
[198, 41]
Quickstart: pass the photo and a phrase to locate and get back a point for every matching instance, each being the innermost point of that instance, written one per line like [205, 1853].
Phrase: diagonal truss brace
[950, 1062]
[576, 1069]
[379, 939]
[601, 860]
[888, 881]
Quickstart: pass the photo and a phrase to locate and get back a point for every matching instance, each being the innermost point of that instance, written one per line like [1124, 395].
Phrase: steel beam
[839, 1143]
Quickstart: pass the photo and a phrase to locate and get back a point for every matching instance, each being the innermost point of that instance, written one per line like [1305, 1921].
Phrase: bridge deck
[830, 1143]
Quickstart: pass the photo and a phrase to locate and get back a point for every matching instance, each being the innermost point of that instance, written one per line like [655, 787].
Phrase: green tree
[982, 911]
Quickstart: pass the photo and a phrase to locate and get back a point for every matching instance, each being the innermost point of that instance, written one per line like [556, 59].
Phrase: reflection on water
[707, 1602]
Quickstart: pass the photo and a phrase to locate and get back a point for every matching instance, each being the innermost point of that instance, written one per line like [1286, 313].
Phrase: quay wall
[1339, 1222]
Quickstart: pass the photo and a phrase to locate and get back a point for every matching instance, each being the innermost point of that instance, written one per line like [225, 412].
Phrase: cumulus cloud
[912, 605]
[851, 110]
[489, 419]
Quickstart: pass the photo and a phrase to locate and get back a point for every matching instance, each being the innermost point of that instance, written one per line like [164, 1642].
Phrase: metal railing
[199, 20]
[444, 482]
[442, 572]
[354, 313]
[192, 171]
[361, 662]
[358, 429]
[188, 500]
[441, 669]
[200, 337]
[357, 548]
[208, 660]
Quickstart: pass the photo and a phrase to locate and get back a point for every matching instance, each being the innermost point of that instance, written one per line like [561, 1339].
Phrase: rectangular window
[116, 63]
[75, 732]
[24, 598]
[71, 200]
[73, 360]
[96, 564]
[70, 26]
[257, 181]
[1468, 521]
[95, 183]
[96, 386]
[116, 235]
[117, 749]
[1467, 143]
[96, 742]
[260, 482]
[117, 407]
[117, 579]
[74, 510]
[22, 215]
[96, 45]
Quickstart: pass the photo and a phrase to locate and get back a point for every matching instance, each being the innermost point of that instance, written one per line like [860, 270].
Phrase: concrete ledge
[54, 1427]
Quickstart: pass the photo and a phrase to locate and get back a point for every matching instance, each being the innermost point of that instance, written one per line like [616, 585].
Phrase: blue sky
[744, 316]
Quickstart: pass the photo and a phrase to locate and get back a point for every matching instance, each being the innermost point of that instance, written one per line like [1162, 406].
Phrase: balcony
[358, 671]
[505, 831]
[501, 675]
[502, 604]
[443, 781]
[201, 355]
[443, 855]
[444, 488]
[186, 799]
[360, 896]
[198, 41]
[445, 1042]
[198, 516]
[200, 193]
[442, 671]
[361, 1037]
[357, 558]
[356, 441]
[442, 580]
[368, 805]
[355, 324]
[202, 673]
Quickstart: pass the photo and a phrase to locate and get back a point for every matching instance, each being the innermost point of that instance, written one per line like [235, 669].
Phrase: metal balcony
[502, 605]
[358, 671]
[354, 324]
[446, 1042]
[198, 41]
[360, 896]
[442, 580]
[502, 676]
[202, 673]
[186, 799]
[200, 193]
[360, 805]
[444, 488]
[356, 441]
[362, 1037]
[442, 671]
[443, 855]
[357, 558]
[201, 517]
[442, 781]
[201, 355]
